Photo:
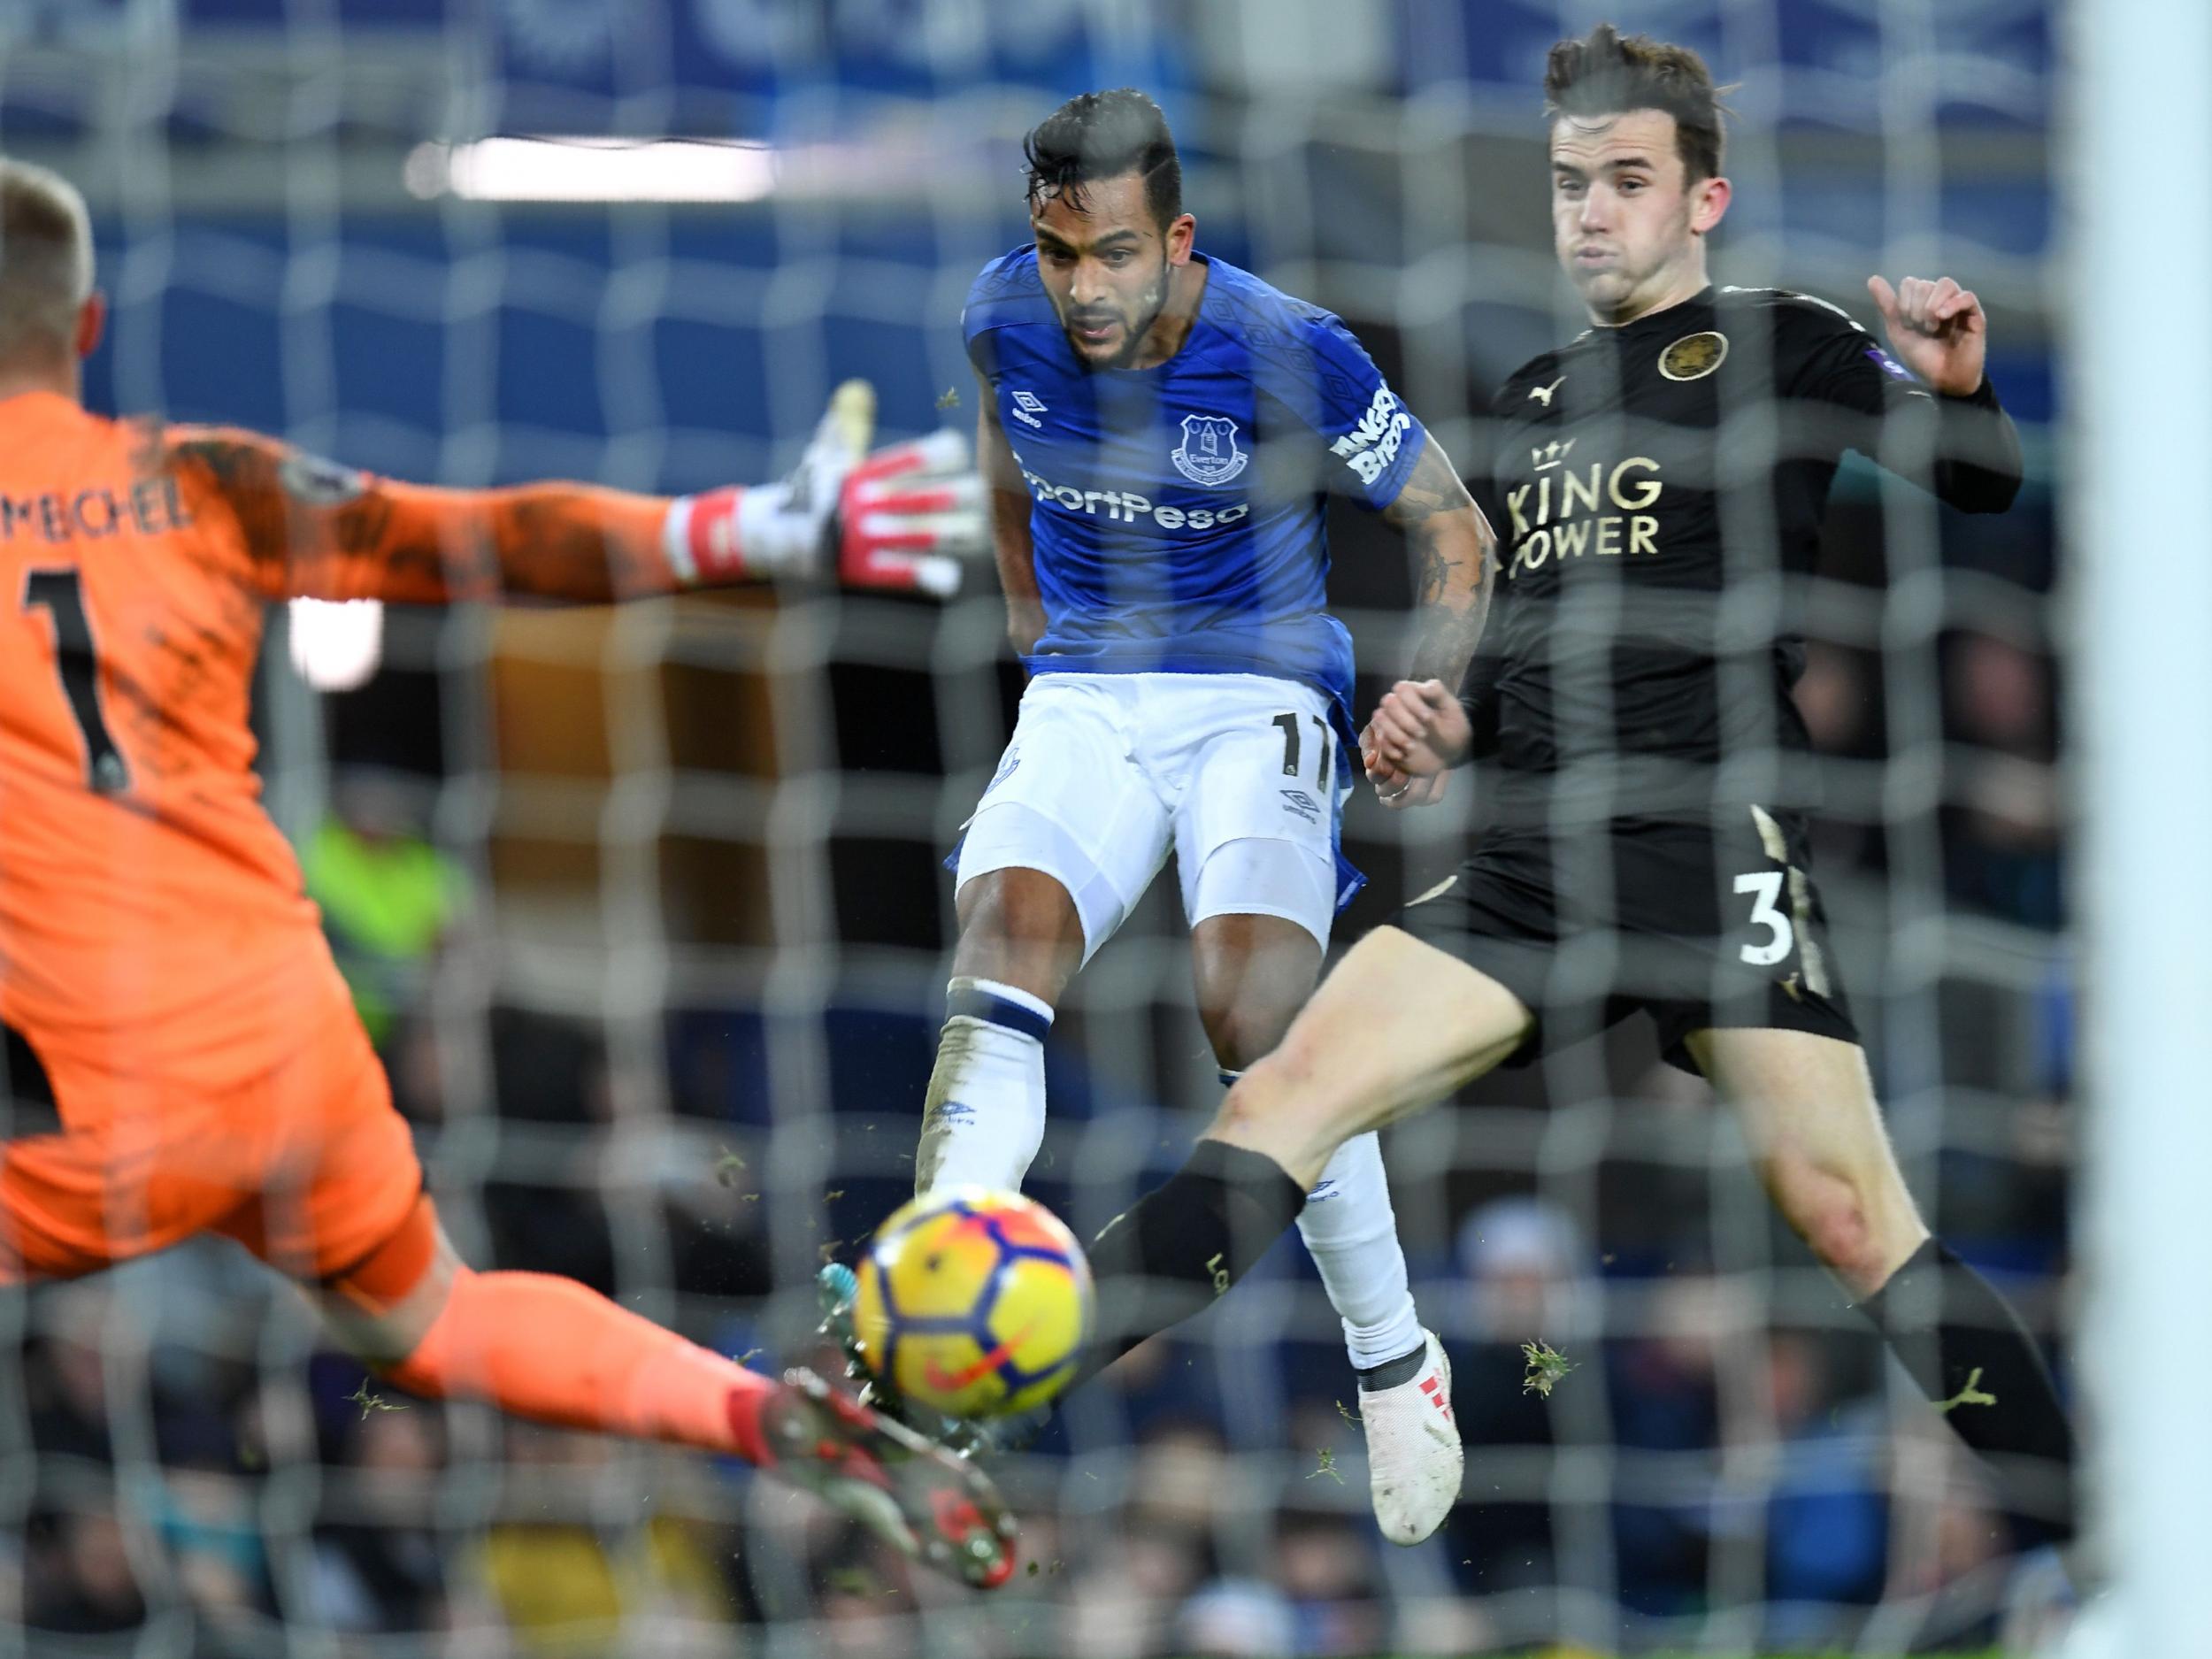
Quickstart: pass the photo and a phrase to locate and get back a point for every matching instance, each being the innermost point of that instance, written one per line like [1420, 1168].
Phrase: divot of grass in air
[1327, 1466]
[1547, 1366]
[369, 1402]
[1970, 1395]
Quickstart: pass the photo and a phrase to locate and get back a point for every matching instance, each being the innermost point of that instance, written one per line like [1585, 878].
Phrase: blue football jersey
[1178, 516]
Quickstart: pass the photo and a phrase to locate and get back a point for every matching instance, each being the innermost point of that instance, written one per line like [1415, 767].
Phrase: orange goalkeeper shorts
[308, 1165]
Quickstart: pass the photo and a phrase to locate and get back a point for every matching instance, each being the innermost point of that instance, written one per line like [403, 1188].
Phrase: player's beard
[1135, 326]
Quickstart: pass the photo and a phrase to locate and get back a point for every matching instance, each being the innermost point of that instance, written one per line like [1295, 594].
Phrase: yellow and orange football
[973, 1302]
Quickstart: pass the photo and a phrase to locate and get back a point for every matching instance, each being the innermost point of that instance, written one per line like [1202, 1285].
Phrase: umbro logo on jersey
[1027, 407]
[1694, 357]
[1298, 801]
[1543, 393]
[1208, 454]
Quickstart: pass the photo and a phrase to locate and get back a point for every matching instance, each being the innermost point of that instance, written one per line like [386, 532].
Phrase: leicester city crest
[1209, 453]
[1694, 357]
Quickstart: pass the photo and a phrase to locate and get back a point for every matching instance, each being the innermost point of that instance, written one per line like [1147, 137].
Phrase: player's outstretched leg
[983, 1115]
[1253, 971]
[1397, 1026]
[557, 1352]
[1808, 1109]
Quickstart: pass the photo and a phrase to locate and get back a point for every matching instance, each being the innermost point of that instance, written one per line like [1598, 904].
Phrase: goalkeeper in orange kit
[164, 981]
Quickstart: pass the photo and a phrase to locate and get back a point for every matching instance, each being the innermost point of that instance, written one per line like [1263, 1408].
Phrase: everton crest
[1209, 454]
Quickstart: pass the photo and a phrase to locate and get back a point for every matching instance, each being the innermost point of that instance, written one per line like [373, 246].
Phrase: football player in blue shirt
[1160, 431]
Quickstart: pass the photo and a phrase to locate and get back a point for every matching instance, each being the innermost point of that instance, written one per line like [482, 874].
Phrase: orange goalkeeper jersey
[155, 941]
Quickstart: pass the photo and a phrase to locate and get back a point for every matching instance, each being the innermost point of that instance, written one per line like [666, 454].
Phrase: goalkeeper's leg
[1809, 1111]
[557, 1352]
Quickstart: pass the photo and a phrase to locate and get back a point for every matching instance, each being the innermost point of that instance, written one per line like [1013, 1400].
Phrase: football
[973, 1302]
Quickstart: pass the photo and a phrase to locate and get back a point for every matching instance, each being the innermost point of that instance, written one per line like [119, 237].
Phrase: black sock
[1171, 1253]
[1973, 1358]
[1391, 1372]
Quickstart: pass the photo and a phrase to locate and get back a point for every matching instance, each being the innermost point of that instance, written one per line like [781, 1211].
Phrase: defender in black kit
[1657, 486]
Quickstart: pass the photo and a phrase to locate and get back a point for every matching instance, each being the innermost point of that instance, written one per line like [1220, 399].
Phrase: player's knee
[1253, 972]
[1277, 1088]
[1255, 1100]
[1245, 1032]
[1277, 1109]
[1842, 1235]
[1018, 926]
[1835, 1218]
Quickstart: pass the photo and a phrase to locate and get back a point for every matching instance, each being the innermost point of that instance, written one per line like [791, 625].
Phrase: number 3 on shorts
[1780, 936]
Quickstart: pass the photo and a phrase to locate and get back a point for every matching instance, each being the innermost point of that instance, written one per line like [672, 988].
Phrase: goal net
[645, 911]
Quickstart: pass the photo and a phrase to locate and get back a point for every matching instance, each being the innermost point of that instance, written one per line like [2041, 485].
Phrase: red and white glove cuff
[700, 537]
[737, 533]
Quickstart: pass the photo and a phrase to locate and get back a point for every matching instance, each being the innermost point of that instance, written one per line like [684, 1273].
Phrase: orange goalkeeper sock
[555, 1351]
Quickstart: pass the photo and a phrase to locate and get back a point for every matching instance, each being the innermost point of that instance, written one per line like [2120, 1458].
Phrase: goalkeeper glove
[912, 516]
[902, 518]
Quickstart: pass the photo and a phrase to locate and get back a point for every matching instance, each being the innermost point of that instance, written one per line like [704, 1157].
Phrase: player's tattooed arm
[311, 529]
[1452, 545]
[1011, 546]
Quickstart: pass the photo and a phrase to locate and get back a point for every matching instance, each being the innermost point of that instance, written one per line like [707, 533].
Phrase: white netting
[660, 983]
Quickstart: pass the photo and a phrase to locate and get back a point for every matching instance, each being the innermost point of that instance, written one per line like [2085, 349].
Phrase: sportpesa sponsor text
[1125, 506]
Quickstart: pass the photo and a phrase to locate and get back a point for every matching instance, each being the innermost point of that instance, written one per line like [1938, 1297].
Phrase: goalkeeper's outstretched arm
[901, 519]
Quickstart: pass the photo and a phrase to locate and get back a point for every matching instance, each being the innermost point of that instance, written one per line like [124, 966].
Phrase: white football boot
[1415, 1459]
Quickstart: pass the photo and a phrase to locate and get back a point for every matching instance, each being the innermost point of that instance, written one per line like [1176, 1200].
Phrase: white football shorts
[1237, 773]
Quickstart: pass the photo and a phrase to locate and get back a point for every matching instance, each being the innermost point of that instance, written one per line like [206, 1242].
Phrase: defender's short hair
[1607, 73]
[1103, 135]
[45, 257]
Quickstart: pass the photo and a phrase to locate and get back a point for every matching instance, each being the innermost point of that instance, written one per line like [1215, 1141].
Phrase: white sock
[983, 1116]
[1352, 1234]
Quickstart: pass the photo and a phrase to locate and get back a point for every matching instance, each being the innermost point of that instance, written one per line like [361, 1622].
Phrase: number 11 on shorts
[1767, 885]
[1289, 724]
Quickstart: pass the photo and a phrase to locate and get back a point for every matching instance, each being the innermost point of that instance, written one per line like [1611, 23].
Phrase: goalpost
[2141, 430]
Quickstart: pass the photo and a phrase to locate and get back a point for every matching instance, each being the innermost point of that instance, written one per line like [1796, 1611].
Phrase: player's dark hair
[1103, 135]
[1607, 73]
[45, 257]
